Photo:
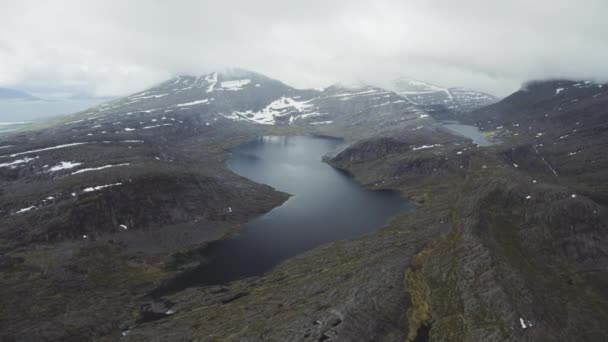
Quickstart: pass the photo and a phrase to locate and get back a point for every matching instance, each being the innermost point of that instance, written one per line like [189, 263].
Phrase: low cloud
[113, 47]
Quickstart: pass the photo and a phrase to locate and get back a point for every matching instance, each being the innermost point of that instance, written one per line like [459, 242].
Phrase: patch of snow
[545, 161]
[528, 197]
[25, 209]
[424, 147]
[281, 107]
[523, 324]
[422, 116]
[139, 97]
[558, 90]
[348, 96]
[100, 187]
[155, 126]
[235, 85]
[212, 80]
[17, 162]
[127, 129]
[99, 168]
[307, 115]
[47, 149]
[124, 227]
[63, 166]
[193, 103]
[321, 122]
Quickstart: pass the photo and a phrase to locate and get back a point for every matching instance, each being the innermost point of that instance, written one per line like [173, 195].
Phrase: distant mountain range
[440, 102]
[14, 94]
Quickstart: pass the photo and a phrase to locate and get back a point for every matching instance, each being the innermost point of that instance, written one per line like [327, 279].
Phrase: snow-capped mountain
[245, 97]
[183, 123]
[440, 102]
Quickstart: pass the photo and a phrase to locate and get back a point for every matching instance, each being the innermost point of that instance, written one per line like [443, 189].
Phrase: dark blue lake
[326, 205]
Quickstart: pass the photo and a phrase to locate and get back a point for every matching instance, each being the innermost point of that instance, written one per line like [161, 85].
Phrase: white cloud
[114, 47]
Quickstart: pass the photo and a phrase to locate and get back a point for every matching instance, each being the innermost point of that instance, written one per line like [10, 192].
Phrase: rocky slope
[441, 103]
[501, 248]
[525, 258]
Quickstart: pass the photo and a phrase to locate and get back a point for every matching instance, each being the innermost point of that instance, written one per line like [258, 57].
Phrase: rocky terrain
[109, 202]
[500, 249]
[508, 242]
[442, 103]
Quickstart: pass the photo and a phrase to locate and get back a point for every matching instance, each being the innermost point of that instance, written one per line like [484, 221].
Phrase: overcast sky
[115, 47]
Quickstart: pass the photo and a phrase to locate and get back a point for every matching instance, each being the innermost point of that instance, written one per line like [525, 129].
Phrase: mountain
[153, 162]
[13, 94]
[441, 103]
[519, 228]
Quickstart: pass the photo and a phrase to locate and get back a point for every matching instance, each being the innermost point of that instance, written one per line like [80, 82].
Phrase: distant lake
[326, 205]
[468, 131]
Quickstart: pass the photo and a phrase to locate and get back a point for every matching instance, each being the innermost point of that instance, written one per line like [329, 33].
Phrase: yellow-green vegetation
[420, 311]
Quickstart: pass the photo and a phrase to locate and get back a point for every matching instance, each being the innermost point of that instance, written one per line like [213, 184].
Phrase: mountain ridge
[442, 103]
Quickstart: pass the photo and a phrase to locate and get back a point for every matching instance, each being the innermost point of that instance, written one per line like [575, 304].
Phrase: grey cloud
[115, 47]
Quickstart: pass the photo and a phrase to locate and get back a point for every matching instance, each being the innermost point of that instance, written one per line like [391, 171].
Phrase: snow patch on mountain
[99, 168]
[235, 85]
[278, 108]
[100, 187]
[47, 149]
[63, 166]
[193, 103]
[212, 80]
[14, 163]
